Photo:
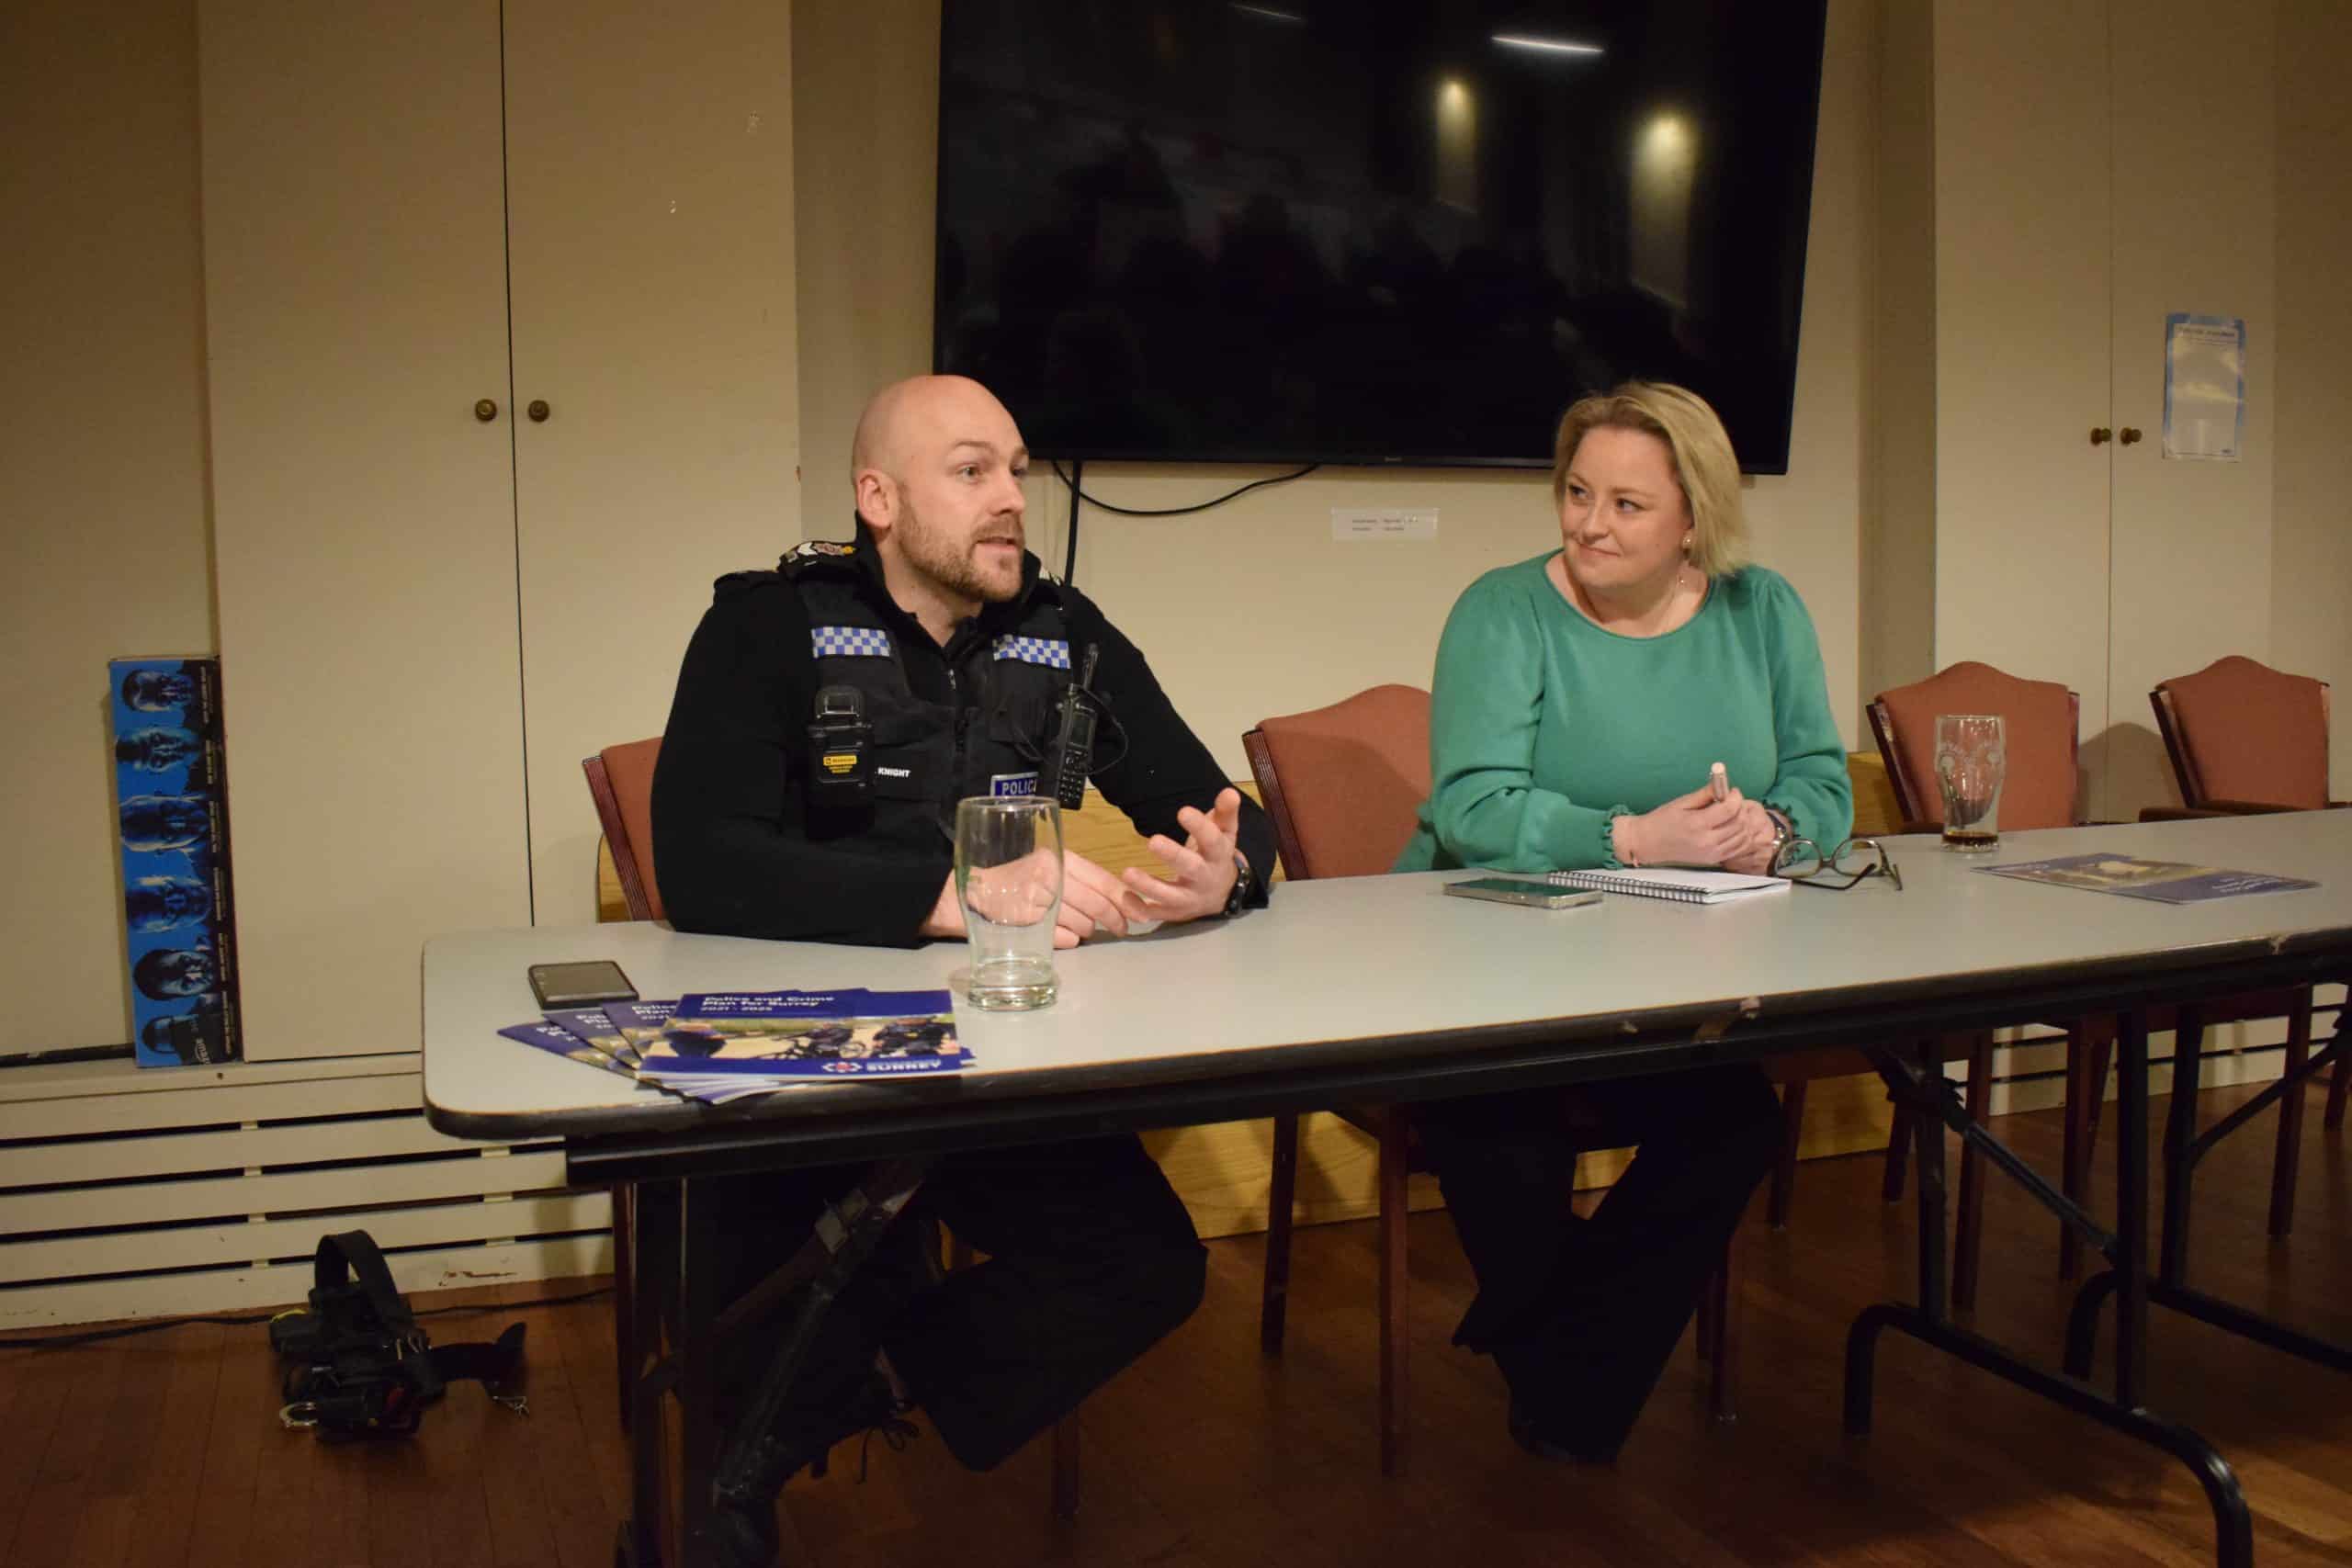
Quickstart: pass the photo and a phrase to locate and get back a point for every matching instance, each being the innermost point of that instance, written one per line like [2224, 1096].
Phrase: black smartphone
[1511, 890]
[580, 985]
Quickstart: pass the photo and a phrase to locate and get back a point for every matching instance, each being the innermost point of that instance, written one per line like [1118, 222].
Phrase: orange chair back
[1344, 784]
[2040, 720]
[620, 780]
[2242, 731]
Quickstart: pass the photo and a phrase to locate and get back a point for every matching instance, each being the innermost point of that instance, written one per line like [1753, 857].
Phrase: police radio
[1070, 755]
[840, 769]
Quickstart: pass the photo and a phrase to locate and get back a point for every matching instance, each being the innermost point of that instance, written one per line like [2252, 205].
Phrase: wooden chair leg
[1281, 1195]
[1968, 1234]
[1708, 1329]
[1066, 1468]
[1785, 1172]
[2102, 1058]
[2340, 1091]
[1394, 1149]
[1722, 1294]
[2291, 1117]
[625, 1349]
[1898, 1156]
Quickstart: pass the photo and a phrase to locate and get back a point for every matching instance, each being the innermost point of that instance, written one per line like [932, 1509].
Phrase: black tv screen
[1371, 231]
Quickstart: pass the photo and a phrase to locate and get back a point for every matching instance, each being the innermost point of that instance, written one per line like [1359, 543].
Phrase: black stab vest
[928, 755]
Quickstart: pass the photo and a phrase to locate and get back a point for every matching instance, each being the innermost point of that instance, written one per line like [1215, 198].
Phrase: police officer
[829, 714]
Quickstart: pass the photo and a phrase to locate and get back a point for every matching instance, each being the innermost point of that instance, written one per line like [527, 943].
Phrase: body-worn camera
[840, 746]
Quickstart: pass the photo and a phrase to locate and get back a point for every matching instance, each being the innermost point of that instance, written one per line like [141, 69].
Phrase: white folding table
[1384, 987]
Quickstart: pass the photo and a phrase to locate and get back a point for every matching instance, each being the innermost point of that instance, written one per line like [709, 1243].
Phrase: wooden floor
[166, 1450]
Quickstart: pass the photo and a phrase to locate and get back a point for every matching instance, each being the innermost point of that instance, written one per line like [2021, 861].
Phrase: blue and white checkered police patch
[1051, 652]
[854, 642]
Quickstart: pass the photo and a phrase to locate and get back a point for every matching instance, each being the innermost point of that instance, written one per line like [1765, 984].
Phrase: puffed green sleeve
[1812, 786]
[1484, 808]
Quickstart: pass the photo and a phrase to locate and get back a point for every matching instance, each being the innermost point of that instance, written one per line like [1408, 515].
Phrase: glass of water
[1008, 879]
[1972, 762]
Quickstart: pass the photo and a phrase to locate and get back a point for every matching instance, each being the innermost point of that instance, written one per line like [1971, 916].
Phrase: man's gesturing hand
[1201, 869]
[1092, 900]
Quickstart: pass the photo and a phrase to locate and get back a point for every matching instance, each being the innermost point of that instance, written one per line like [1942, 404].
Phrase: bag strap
[496, 1364]
[353, 1255]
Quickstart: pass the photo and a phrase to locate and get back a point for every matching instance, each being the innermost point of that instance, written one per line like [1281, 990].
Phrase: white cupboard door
[2021, 351]
[650, 159]
[2194, 217]
[354, 289]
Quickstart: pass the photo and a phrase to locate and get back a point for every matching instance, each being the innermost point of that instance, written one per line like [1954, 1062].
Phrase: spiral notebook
[1668, 882]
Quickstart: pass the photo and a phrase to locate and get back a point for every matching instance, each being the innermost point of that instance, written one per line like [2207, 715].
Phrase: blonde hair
[1696, 443]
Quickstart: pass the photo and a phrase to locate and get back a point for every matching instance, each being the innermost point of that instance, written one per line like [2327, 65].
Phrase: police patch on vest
[1051, 652]
[1002, 784]
[852, 642]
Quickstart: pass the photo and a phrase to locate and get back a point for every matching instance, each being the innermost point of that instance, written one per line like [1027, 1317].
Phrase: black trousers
[1581, 1315]
[1091, 1259]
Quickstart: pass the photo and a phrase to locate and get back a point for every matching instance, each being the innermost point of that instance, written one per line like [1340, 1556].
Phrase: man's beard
[947, 561]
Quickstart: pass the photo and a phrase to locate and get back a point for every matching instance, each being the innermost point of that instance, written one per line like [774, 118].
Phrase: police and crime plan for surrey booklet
[723, 1046]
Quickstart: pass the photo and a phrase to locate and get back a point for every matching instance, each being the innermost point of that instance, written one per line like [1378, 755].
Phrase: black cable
[1069, 555]
[1178, 511]
[68, 1341]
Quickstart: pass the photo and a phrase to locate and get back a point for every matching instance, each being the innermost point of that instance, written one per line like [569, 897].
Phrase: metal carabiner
[517, 1403]
[299, 1416]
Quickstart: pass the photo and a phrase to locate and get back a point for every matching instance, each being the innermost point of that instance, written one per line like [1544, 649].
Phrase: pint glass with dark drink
[1972, 757]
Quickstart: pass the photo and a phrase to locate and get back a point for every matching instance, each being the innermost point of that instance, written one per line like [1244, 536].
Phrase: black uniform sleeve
[730, 848]
[1165, 766]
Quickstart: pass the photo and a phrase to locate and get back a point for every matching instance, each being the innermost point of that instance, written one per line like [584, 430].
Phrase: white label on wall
[1354, 524]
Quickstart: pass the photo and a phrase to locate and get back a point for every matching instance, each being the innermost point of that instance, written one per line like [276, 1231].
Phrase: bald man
[936, 616]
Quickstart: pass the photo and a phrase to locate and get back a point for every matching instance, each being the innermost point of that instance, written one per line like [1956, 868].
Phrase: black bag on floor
[359, 1366]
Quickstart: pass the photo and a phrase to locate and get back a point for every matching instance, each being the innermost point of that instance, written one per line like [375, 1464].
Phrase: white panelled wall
[2093, 175]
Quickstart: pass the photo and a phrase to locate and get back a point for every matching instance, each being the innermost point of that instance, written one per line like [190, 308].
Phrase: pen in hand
[1718, 782]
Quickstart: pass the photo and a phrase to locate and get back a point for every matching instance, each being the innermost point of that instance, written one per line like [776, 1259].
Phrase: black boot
[838, 1393]
[744, 1529]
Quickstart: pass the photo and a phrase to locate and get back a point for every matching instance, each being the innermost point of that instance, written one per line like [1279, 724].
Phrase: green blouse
[1543, 725]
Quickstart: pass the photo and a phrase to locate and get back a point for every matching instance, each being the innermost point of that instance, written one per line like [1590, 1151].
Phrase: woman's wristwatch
[1244, 884]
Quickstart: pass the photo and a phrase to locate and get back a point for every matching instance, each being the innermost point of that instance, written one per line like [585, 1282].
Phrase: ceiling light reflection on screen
[1546, 45]
[1267, 13]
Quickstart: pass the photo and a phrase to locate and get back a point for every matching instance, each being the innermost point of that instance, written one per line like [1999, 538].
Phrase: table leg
[2285, 1163]
[2170, 1288]
[652, 1259]
[698, 1309]
[1920, 1085]
[2132, 1211]
[1927, 1146]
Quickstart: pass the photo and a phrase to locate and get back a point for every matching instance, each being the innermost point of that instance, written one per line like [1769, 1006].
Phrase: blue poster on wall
[172, 802]
[2204, 387]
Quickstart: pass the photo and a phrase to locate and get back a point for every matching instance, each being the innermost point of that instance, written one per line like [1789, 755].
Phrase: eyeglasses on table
[1802, 861]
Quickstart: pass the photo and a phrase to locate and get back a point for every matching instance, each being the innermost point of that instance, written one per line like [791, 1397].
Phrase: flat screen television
[1371, 232]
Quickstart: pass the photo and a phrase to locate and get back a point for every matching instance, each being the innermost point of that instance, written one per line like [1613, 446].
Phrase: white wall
[104, 536]
[1898, 564]
[104, 539]
[2310, 554]
[1252, 609]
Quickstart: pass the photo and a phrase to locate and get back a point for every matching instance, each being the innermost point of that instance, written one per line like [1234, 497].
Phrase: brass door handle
[486, 409]
[537, 410]
[2099, 434]
[2127, 435]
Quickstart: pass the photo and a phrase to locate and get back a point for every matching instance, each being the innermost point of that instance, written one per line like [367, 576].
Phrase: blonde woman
[1580, 700]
